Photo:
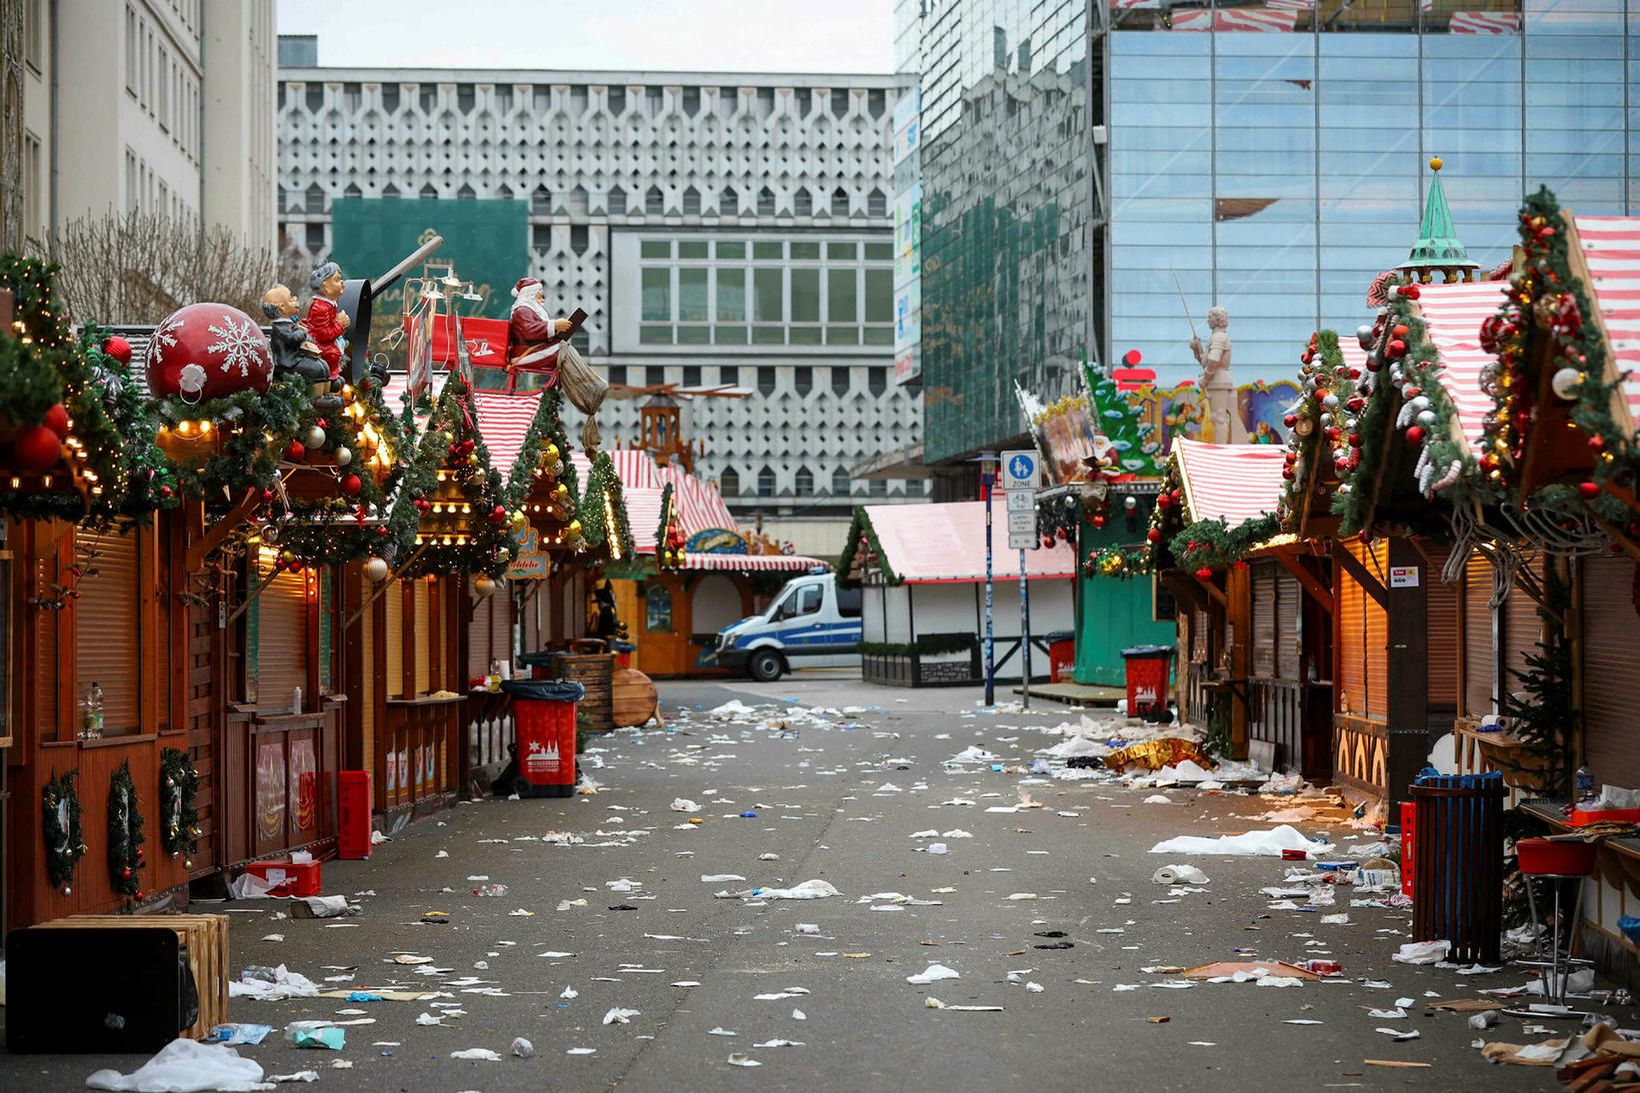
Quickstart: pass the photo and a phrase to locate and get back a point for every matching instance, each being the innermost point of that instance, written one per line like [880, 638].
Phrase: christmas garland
[601, 504]
[1208, 544]
[1058, 519]
[1548, 302]
[1167, 518]
[1121, 562]
[862, 534]
[545, 435]
[125, 836]
[669, 537]
[179, 792]
[1310, 423]
[256, 429]
[65, 841]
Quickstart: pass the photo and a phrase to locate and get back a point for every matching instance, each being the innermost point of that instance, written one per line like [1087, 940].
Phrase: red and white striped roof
[635, 469]
[700, 506]
[1452, 319]
[643, 513]
[1270, 20]
[1611, 250]
[945, 544]
[753, 563]
[503, 420]
[1232, 482]
[398, 383]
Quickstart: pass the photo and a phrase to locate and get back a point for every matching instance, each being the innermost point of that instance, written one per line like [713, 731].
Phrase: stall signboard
[532, 563]
[1065, 431]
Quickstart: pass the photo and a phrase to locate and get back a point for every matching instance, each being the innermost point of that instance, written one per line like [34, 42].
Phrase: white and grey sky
[648, 35]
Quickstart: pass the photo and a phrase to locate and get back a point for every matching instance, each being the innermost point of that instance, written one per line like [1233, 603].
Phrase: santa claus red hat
[523, 284]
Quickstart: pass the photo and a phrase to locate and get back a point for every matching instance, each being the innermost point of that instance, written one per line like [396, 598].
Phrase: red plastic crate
[289, 878]
[353, 814]
[1539, 857]
[1583, 817]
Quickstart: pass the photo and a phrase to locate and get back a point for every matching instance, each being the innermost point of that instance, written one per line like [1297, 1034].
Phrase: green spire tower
[1438, 247]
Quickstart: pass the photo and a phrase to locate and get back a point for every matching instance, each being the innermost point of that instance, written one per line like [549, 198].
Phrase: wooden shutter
[1198, 637]
[1264, 619]
[501, 627]
[108, 636]
[1441, 623]
[1289, 606]
[1377, 632]
[426, 637]
[1611, 664]
[45, 637]
[393, 634]
[1522, 628]
[282, 642]
[1479, 659]
[478, 638]
[1351, 661]
[327, 622]
[367, 678]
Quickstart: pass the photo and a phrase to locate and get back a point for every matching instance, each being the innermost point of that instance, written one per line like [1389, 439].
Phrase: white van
[811, 624]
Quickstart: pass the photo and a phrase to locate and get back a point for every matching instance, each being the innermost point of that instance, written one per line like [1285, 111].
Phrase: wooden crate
[594, 671]
[206, 937]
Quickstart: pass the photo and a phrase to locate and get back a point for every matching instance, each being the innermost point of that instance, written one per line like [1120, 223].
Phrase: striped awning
[1611, 250]
[503, 420]
[1232, 482]
[700, 506]
[944, 543]
[1452, 317]
[753, 563]
[635, 469]
[399, 383]
[643, 514]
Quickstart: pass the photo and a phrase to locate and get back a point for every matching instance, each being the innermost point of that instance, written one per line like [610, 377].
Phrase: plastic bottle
[94, 712]
[296, 701]
[1585, 783]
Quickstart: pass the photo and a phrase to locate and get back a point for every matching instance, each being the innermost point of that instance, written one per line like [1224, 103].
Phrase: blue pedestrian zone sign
[1021, 470]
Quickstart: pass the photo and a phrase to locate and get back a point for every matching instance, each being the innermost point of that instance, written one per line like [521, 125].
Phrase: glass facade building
[1266, 157]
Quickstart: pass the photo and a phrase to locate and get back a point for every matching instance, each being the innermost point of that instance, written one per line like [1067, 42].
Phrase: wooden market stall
[922, 571]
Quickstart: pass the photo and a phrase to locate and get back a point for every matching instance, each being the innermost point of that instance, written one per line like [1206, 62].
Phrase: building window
[914, 487]
[504, 99]
[617, 101]
[765, 482]
[654, 202]
[876, 102]
[840, 481]
[691, 375]
[839, 202]
[877, 379]
[466, 193]
[578, 238]
[729, 375]
[728, 202]
[729, 482]
[541, 237]
[315, 238]
[839, 103]
[765, 202]
[33, 215]
[314, 199]
[654, 375]
[691, 101]
[617, 202]
[876, 203]
[390, 97]
[879, 487]
[691, 200]
[805, 482]
[617, 375]
[803, 203]
[540, 202]
[803, 379]
[839, 380]
[767, 378]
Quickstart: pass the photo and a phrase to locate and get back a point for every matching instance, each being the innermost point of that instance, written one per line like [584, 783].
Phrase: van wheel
[766, 666]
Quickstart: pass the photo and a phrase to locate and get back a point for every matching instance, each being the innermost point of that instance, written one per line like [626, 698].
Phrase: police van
[812, 623]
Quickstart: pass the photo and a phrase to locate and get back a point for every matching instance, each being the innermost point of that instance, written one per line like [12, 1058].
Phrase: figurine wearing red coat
[325, 322]
[530, 326]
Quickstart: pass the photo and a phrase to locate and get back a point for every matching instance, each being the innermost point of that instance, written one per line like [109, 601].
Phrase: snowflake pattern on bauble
[240, 344]
[166, 333]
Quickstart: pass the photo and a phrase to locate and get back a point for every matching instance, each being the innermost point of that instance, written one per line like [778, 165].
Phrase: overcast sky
[677, 35]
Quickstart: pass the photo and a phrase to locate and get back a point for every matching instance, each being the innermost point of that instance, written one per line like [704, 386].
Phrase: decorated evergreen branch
[1209, 544]
[1058, 519]
[603, 512]
[465, 525]
[669, 538]
[1546, 719]
[69, 410]
[1549, 306]
[863, 549]
[125, 836]
[1119, 561]
[546, 436]
[256, 429]
[1313, 421]
[1167, 518]
[60, 827]
[178, 794]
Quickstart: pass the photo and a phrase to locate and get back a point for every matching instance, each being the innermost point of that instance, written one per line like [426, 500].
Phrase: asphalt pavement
[838, 797]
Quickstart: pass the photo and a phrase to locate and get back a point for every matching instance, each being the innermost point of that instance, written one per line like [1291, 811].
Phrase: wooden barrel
[594, 671]
[634, 698]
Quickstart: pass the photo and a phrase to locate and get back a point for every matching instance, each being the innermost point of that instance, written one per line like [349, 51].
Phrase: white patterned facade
[662, 204]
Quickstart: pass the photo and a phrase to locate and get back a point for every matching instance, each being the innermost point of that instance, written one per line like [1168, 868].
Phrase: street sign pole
[986, 484]
[1024, 635]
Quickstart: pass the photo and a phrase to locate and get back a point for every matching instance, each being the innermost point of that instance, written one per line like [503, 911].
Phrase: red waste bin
[544, 755]
[1061, 654]
[353, 806]
[1147, 667]
[1409, 812]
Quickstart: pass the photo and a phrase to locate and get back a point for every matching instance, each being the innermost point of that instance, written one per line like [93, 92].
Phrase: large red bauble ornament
[1597, 442]
[351, 484]
[1396, 348]
[56, 420]
[206, 351]
[118, 348]
[1164, 501]
[1047, 540]
[498, 515]
[1154, 535]
[1290, 420]
[1204, 574]
[1415, 435]
[295, 450]
[36, 448]
[1098, 519]
[1588, 490]
[1411, 292]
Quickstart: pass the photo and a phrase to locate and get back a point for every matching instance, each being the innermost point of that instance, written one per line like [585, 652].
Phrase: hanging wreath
[65, 842]
[125, 837]
[179, 789]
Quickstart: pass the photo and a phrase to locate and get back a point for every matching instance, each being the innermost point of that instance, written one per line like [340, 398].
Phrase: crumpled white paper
[185, 1066]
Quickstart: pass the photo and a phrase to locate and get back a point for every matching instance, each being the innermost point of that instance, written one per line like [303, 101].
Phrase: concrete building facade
[171, 113]
[719, 229]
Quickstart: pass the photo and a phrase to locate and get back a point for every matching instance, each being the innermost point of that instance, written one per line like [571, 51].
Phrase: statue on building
[1218, 391]
[293, 347]
[538, 342]
[326, 322]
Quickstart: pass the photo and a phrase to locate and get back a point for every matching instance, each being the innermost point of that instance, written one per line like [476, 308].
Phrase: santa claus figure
[538, 342]
[326, 323]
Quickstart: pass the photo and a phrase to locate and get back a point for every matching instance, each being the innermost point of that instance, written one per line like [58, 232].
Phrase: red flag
[486, 341]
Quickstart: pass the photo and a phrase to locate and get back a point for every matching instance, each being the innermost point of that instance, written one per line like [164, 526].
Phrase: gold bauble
[549, 454]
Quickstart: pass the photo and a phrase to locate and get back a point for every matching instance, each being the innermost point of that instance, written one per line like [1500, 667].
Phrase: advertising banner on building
[908, 284]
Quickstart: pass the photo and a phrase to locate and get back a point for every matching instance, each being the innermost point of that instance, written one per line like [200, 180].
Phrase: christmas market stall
[1562, 446]
[1101, 460]
[922, 571]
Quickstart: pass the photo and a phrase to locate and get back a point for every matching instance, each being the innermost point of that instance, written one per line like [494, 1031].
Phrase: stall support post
[986, 482]
[1024, 635]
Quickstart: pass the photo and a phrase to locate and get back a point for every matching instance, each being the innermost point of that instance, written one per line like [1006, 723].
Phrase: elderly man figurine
[1218, 391]
[293, 349]
[325, 322]
[538, 342]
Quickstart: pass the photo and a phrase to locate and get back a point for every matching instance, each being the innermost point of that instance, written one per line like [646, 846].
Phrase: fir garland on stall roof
[1167, 518]
[125, 837]
[545, 438]
[1324, 404]
[603, 512]
[669, 537]
[863, 537]
[60, 827]
[1121, 562]
[179, 803]
[1208, 544]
